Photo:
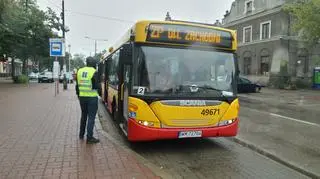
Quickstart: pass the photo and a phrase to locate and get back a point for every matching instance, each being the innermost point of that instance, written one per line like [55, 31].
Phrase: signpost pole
[55, 89]
[57, 80]
[56, 50]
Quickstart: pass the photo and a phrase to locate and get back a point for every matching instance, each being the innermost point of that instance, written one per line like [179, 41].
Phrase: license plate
[190, 134]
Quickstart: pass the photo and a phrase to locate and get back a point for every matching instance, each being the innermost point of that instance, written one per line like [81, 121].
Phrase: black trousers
[89, 107]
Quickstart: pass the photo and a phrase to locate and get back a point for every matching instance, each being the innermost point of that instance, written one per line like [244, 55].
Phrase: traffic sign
[57, 47]
[56, 69]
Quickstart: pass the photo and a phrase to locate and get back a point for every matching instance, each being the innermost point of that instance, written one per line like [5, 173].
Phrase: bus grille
[189, 123]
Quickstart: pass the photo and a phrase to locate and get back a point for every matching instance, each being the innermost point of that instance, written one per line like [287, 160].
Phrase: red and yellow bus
[170, 80]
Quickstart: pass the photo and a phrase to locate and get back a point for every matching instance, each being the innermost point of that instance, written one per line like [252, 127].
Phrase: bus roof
[139, 33]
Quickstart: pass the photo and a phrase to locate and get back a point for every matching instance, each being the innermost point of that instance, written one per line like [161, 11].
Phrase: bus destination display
[183, 34]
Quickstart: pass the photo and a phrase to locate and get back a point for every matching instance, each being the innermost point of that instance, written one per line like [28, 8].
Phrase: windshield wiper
[223, 94]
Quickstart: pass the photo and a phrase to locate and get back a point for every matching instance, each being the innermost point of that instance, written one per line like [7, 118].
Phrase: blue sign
[57, 48]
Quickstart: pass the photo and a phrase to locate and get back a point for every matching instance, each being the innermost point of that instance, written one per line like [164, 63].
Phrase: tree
[78, 61]
[99, 55]
[25, 31]
[306, 14]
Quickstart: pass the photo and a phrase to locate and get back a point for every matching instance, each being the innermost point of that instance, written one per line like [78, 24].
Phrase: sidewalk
[39, 139]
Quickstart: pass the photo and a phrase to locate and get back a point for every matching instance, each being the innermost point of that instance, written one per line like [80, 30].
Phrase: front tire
[257, 89]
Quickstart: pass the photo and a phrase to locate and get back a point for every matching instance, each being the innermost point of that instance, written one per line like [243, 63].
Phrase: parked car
[33, 76]
[46, 77]
[69, 77]
[246, 86]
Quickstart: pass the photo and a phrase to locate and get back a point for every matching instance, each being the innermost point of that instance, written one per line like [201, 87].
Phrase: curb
[274, 157]
[155, 169]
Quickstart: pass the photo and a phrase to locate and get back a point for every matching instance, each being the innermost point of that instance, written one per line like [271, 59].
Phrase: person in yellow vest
[87, 86]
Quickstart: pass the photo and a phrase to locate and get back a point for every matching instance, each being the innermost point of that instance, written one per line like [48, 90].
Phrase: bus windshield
[160, 71]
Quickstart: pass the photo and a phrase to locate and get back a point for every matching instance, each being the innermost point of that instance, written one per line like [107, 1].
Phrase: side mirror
[126, 53]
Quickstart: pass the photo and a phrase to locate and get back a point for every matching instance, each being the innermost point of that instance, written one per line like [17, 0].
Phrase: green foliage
[303, 83]
[78, 61]
[306, 14]
[279, 81]
[25, 30]
[316, 60]
[282, 79]
[99, 55]
[21, 79]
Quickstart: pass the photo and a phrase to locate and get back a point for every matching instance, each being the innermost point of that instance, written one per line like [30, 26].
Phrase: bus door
[106, 81]
[125, 95]
[125, 73]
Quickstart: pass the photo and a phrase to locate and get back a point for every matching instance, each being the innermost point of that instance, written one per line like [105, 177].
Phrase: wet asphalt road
[203, 158]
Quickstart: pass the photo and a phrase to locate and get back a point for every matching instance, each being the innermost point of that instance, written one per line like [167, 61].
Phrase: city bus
[172, 80]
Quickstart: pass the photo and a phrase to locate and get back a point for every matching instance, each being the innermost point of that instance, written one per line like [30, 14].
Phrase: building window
[249, 6]
[302, 66]
[264, 65]
[247, 66]
[247, 34]
[265, 30]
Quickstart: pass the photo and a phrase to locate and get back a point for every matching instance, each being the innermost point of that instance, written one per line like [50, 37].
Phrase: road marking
[284, 117]
[293, 119]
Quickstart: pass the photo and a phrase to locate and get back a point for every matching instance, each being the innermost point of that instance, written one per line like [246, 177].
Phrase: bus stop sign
[316, 78]
[57, 47]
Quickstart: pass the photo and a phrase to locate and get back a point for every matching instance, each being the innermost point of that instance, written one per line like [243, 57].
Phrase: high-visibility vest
[84, 77]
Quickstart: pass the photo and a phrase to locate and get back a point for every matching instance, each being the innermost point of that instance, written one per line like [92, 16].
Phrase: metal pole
[63, 31]
[63, 21]
[95, 48]
[64, 34]
[56, 85]
[69, 57]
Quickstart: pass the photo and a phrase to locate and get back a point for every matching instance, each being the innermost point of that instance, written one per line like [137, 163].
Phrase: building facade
[269, 49]
[6, 67]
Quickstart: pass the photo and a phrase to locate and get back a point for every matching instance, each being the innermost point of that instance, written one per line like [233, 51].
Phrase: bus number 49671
[211, 112]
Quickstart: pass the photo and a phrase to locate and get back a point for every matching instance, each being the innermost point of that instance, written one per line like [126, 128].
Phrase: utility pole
[64, 38]
[26, 60]
[69, 57]
[95, 48]
[95, 44]
[63, 32]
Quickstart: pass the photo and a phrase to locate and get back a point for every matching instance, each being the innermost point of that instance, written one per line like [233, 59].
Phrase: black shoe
[92, 140]
[81, 137]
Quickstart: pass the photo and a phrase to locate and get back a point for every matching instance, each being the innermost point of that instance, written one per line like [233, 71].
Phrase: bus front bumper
[138, 132]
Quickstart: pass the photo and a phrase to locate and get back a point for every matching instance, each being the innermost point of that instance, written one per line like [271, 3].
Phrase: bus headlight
[146, 123]
[226, 122]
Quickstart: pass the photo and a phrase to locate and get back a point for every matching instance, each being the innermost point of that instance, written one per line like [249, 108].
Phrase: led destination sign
[189, 35]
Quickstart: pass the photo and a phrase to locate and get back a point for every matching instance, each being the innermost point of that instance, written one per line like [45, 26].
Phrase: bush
[277, 81]
[303, 83]
[21, 79]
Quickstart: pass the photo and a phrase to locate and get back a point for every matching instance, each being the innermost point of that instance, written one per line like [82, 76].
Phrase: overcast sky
[124, 13]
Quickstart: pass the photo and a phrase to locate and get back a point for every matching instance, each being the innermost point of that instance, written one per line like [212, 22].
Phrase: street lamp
[95, 43]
